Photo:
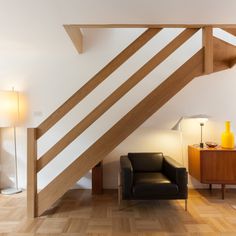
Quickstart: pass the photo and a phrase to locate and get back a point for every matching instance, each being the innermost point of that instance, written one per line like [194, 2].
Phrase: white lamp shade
[202, 119]
[177, 127]
[9, 108]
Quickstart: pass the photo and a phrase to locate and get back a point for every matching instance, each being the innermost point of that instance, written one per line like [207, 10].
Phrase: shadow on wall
[7, 170]
[94, 37]
[85, 182]
[7, 159]
[111, 169]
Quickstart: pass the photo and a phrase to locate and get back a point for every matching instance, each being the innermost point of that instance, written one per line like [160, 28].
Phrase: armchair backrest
[146, 162]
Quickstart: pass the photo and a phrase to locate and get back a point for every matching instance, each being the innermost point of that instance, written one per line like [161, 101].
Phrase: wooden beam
[121, 130]
[230, 30]
[76, 36]
[207, 41]
[114, 97]
[96, 80]
[153, 25]
[31, 173]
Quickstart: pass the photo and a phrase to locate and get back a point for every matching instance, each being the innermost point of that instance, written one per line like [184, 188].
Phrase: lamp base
[10, 191]
[201, 145]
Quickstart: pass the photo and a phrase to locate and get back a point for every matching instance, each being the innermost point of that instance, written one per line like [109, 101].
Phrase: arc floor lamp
[9, 117]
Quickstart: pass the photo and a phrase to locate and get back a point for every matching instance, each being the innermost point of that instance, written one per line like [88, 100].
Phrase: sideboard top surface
[206, 149]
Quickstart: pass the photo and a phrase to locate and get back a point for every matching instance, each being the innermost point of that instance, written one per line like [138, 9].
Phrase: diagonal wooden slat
[121, 130]
[95, 81]
[114, 97]
[230, 30]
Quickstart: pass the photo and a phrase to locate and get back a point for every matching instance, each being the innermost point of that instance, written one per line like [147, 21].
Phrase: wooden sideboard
[212, 165]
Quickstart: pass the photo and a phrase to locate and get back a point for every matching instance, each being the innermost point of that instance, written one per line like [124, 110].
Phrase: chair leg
[186, 205]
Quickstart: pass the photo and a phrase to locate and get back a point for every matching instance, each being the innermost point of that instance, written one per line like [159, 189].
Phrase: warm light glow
[202, 120]
[9, 108]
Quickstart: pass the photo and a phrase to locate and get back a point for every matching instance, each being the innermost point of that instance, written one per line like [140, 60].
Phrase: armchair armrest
[126, 177]
[177, 174]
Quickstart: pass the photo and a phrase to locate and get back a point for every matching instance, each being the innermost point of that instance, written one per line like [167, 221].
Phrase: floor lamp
[202, 119]
[9, 117]
[177, 127]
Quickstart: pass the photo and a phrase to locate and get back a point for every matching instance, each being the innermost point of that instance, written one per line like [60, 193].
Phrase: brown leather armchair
[152, 176]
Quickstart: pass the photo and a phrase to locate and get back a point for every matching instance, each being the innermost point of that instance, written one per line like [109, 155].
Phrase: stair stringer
[224, 54]
[120, 131]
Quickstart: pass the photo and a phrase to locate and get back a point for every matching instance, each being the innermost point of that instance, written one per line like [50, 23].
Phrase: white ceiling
[117, 11]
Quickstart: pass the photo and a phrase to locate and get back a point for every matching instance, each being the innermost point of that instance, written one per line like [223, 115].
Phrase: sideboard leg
[210, 187]
[223, 191]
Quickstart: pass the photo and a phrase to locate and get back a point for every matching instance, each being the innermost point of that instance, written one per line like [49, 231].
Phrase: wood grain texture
[230, 30]
[232, 63]
[194, 162]
[218, 167]
[31, 173]
[95, 81]
[225, 26]
[97, 179]
[121, 130]
[114, 97]
[213, 165]
[207, 41]
[220, 66]
[224, 53]
[216, 149]
[78, 213]
[76, 37]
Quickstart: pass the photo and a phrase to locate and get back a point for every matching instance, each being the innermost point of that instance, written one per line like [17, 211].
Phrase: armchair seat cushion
[153, 185]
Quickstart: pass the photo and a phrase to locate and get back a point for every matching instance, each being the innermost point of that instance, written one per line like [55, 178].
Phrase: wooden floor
[79, 213]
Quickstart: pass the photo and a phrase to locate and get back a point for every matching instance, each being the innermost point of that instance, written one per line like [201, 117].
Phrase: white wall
[38, 59]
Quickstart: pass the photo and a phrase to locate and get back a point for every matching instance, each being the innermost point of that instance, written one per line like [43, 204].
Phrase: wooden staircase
[215, 55]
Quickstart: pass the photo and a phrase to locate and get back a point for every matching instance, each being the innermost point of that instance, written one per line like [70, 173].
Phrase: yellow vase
[227, 137]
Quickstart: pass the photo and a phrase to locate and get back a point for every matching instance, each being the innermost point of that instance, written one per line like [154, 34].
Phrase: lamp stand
[15, 190]
[182, 148]
[201, 143]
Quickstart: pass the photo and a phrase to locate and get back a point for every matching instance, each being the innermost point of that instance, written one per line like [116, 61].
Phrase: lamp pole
[9, 191]
[201, 143]
[15, 150]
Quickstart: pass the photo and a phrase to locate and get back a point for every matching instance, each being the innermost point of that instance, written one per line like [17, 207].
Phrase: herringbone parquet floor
[79, 213]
